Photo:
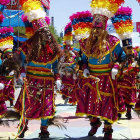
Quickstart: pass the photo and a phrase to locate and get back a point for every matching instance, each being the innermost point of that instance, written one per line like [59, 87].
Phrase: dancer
[101, 53]
[41, 52]
[68, 67]
[6, 76]
[122, 22]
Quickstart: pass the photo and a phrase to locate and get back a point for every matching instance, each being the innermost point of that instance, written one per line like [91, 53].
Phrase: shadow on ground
[81, 138]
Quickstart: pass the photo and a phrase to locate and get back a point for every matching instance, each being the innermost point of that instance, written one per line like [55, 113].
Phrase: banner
[13, 5]
[46, 3]
[138, 26]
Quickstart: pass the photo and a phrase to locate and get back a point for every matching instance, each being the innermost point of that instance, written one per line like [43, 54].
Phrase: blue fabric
[0, 62]
[14, 20]
[21, 39]
[44, 122]
[84, 59]
[54, 67]
[87, 19]
[72, 66]
[48, 66]
[2, 7]
[117, 54]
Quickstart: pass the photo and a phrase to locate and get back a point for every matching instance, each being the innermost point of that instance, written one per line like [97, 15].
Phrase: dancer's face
[100, 21]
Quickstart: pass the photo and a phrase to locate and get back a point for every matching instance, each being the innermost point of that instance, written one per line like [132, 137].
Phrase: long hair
[37, 44]
[97, 42]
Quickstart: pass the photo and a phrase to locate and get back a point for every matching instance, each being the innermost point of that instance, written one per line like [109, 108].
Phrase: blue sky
[62, 9]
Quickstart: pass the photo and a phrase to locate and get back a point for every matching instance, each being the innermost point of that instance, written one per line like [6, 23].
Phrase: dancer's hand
[86, 73]
[114, 72]
[1, 86]
[134, 64]
[11, 73]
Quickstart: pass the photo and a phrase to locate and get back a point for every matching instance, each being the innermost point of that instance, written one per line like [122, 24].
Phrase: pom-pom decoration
[105, 7]
[4, 2]
[6, 38]
[68, 35]
[33, 9]
[47, 19]
[29, 27]
[1, 18]
[82, 24]
[36, 14]
[122, 22]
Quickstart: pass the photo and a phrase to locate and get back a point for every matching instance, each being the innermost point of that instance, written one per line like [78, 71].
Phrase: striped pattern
[99, 68]
[39, 71]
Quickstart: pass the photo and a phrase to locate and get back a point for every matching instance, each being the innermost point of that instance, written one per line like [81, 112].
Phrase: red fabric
[68, 88]
[39, 99]
[86, 98]
[137, 106]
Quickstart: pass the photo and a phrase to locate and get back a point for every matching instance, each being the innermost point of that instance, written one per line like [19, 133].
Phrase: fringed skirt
[90, 104]
[127, 89]
[3, 108]
[38, 93]
[8, 92]
[68, 88]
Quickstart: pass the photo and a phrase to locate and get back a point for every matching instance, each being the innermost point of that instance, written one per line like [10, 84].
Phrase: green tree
[55, 34]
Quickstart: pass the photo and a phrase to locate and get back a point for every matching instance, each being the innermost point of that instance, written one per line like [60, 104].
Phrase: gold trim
[105, 93]
[37, 77]
[120, 86]
[49, 62]
[103, 118]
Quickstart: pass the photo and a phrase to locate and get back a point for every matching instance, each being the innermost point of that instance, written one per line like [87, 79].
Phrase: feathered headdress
[29, 26]
[35, 13]
[105, 7]
[137, 48]
[82, 24]
[68, 36]
[6, 39]
[123, 25]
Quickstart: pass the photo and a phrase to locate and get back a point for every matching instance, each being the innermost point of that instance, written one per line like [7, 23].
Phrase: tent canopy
[12, 18]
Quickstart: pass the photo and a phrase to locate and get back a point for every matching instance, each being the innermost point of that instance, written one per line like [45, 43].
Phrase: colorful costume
[137, 105]
[101, 53]
[36, 100]
[6, 46]
[122, 22]
[68, 67]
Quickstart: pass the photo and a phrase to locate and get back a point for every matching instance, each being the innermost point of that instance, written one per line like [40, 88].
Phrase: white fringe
[35, 14]
[102, 11]
[125, 35]
[68, 42]
[80, 36]
[8, 46]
